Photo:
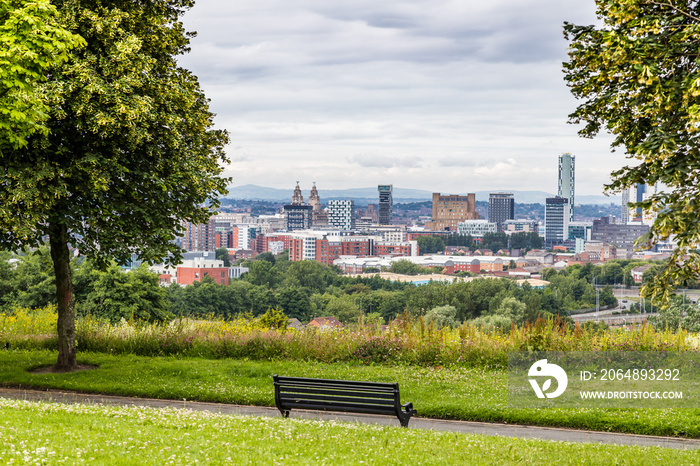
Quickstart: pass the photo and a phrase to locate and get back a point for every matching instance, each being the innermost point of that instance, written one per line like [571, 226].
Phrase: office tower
[622, 236]
[501, 208]
[556, 221]
[386, 203]
[638, 193]
[450, 209]
[565, 188]
[341, 214]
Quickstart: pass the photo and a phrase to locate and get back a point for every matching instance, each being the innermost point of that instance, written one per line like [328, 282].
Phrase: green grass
[477, 394]
[53, 433]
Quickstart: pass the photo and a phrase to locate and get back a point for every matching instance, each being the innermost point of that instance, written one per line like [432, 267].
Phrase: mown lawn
[54, 433]
[478, 394]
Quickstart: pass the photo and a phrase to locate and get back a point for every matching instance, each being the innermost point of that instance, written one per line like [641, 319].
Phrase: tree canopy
[638, 75]
[32, 41]
[130, 151]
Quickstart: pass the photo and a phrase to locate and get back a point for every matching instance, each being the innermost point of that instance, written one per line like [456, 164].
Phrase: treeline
[301, 290]
[429, 244]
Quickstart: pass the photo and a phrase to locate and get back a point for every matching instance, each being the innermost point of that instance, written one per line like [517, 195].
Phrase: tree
[639, 78]
[494, 241]
[30, 282]
[429, 244]
[406, 267]
[31, 43]
[513, 309]
[127, 295]
[309, 274]
[526, 240]
[295, 302]
[266, 256]
[442, 316]
[262, 273]
[129, 155]
[222, 255]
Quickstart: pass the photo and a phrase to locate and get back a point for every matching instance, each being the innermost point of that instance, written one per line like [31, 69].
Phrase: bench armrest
[408, 408]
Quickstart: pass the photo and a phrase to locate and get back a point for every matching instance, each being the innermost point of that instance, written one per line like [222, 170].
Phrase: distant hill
[254, 192]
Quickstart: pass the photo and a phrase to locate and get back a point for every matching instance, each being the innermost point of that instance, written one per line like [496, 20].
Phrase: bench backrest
[336, 395]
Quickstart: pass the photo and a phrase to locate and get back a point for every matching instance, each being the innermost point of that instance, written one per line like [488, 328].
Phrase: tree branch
[675, 8]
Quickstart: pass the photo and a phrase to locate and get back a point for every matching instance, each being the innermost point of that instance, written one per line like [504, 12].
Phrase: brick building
[449, 210]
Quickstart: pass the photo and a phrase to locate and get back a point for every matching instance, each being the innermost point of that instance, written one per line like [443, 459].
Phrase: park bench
[340, 395]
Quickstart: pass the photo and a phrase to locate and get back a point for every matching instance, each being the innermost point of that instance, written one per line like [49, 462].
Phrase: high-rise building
[341, 214]
[638, 193]
[501, 208]
[450, 209]
[566, 183]
[556, 221]
[386, 203]
[199, 237]
[625, 211]
[298, 217]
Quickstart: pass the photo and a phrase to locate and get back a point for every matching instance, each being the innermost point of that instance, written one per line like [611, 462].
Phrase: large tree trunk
[58, 237]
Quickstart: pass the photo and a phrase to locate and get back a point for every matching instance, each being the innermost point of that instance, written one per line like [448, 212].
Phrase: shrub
[378, 350]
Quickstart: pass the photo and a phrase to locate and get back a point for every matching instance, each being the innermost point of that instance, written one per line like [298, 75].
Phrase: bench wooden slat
[339, 399]
[301, 390]
[380, 388]
[348, 409]
[308, 380]
[340, 395]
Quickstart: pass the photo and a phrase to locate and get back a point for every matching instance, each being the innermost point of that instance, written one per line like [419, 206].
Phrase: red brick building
[189, 275]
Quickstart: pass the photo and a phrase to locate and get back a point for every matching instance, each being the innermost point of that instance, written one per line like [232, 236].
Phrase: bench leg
[285, 414]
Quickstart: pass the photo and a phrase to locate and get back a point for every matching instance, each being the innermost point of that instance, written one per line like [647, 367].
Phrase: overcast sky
[449, 96]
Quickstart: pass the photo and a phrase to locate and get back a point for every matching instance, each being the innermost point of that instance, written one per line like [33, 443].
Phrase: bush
[493, 323]
[442, 316]
[378, 350]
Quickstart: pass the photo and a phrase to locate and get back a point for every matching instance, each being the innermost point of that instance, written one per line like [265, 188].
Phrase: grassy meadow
[446, 373]
[54, 433]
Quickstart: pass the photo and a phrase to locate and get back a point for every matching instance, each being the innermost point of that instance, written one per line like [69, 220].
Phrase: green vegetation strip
[472, 394]
[53, 433]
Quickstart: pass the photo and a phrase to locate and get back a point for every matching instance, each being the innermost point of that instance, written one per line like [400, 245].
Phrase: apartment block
[501, 208]
[199, 237]
[556, 221]
[476, 227]
[341, 214]
[566, 181]
[520, 225]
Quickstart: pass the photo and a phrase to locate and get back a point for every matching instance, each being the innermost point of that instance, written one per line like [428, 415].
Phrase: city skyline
[428, 95]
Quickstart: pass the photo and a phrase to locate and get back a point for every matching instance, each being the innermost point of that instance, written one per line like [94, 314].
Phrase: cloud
[434, 94]
[374, 161]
